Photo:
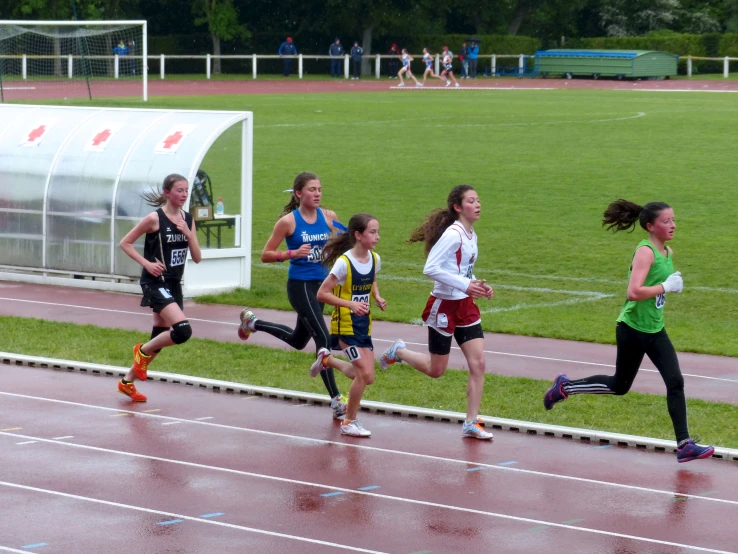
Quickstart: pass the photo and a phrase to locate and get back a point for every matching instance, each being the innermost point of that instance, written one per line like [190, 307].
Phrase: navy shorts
[351, 340]
[159, 295]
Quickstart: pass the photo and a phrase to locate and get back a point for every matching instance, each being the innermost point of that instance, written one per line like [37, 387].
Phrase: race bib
[363, 298]
[660, 301]
[352, 353]
[315, 254]
[178, 257]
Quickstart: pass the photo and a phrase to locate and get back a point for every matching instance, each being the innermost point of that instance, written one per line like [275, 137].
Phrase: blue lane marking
[507, 463]
[604, 446]
[476, 468]
[331, 494]
[170, 522]
[369, 488]
[215, 514]
[38, 544]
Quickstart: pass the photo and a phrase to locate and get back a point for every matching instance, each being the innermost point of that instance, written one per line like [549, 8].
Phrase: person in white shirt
[428, 61]
[451, 249]
[406, 59]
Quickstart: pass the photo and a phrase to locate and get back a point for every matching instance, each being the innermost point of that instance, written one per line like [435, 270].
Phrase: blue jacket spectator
[287, 48]
[473, 55]
[121, 49]
[356, 53]
[336, 53]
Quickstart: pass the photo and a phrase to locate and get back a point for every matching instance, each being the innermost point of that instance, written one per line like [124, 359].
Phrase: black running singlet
[167, 245]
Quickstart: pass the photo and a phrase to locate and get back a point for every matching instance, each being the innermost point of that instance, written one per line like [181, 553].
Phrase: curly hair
[440, 219]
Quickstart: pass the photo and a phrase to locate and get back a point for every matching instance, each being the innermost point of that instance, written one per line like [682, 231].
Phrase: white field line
[378, 339]
[354, 549]
[303, 439]
[186, 518]
[531, 124]
[8, 549]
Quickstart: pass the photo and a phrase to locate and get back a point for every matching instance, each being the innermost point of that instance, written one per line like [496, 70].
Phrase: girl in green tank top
[640, 328]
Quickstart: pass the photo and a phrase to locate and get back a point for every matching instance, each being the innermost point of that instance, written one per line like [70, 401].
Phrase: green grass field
[545, 163]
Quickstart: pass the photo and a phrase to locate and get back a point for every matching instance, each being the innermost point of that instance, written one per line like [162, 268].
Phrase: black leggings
[632, 346]
[303, 296]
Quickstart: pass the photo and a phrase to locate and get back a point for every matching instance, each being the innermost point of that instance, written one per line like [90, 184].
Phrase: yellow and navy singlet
[357, 288]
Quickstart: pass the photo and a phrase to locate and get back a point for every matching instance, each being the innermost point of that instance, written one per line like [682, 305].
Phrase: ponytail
[622, 215]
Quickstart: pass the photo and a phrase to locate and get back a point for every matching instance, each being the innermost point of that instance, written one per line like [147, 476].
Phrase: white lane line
[424, 345]
[26, 442]
[62, 438]
[366, 493]
[188, 518]
[172, 422]
[300, 438]
[8, 549]
[203, 418]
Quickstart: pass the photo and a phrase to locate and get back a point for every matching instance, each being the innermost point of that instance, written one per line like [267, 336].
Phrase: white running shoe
[318, 366]
[354, 429]
[390, 355]
[338, 405]
[400, 84]
[418, 84]
[448, 83]
[248, 319]
[476, 430]
[457, 85]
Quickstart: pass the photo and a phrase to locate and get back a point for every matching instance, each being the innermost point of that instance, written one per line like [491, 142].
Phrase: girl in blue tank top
[305, 227]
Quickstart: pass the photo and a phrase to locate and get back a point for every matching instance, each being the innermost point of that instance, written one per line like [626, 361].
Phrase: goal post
[72, 59]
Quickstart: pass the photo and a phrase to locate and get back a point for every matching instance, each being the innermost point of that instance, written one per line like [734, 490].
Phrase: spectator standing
[336, 53]
[121, 50]
[473, 55]
[356, 54]
[464, 59]
[287, 48]
[393, 67]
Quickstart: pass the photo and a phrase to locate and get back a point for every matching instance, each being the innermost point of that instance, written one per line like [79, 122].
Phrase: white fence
[207, 61]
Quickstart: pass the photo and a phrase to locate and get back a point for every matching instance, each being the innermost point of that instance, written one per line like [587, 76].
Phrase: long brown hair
[623, 214]
[440, 219]
[338, 244]
[300, 181]
[155, 197]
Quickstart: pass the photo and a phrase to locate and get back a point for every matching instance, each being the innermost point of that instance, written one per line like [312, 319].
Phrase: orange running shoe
[140, 362]
[130, 391]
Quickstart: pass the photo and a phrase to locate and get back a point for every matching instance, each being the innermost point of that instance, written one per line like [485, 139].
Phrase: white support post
[145, 62]
[299, 65]
[494, 65]
[116, 67]
[377, 68]
[689, 67]
[207, 67]
[438, 64]
[346, 66]
[253, 66]
[70, 66]
[24, 67]
[521, 65]
[162, 62]
[726, 67]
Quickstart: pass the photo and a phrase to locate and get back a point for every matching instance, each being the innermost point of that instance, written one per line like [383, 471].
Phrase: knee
[181, 332]
[436, 371]
[675, 384]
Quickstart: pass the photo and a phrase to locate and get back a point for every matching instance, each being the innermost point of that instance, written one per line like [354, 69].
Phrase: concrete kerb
[590, 435]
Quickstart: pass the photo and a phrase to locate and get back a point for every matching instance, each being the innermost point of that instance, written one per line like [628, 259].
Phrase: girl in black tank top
[170, 234]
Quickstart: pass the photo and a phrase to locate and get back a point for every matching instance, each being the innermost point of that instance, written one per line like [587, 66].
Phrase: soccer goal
[72, 59]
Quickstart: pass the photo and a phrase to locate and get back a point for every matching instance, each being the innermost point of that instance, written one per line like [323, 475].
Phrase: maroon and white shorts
[446, 315]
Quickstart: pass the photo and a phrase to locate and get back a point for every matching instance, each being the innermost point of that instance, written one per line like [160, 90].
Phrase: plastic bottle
[199, 193]
[219, 207]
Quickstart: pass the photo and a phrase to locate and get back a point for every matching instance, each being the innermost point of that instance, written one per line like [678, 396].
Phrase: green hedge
[709, 45]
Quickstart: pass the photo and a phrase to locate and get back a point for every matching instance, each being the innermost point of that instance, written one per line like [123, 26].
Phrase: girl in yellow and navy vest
[640, 328]
[305, 228]
[349, 287]
[170, 234]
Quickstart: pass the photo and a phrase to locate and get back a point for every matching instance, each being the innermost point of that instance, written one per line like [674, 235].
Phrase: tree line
[248, 21]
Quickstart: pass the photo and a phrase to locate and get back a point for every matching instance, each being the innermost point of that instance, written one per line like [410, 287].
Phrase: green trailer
[606, 63]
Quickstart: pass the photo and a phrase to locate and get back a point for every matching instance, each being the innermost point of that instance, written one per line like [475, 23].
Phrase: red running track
[712, 378]
[193, 471]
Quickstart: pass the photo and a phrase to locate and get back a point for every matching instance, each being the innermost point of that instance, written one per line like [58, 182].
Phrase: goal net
[72, 59]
